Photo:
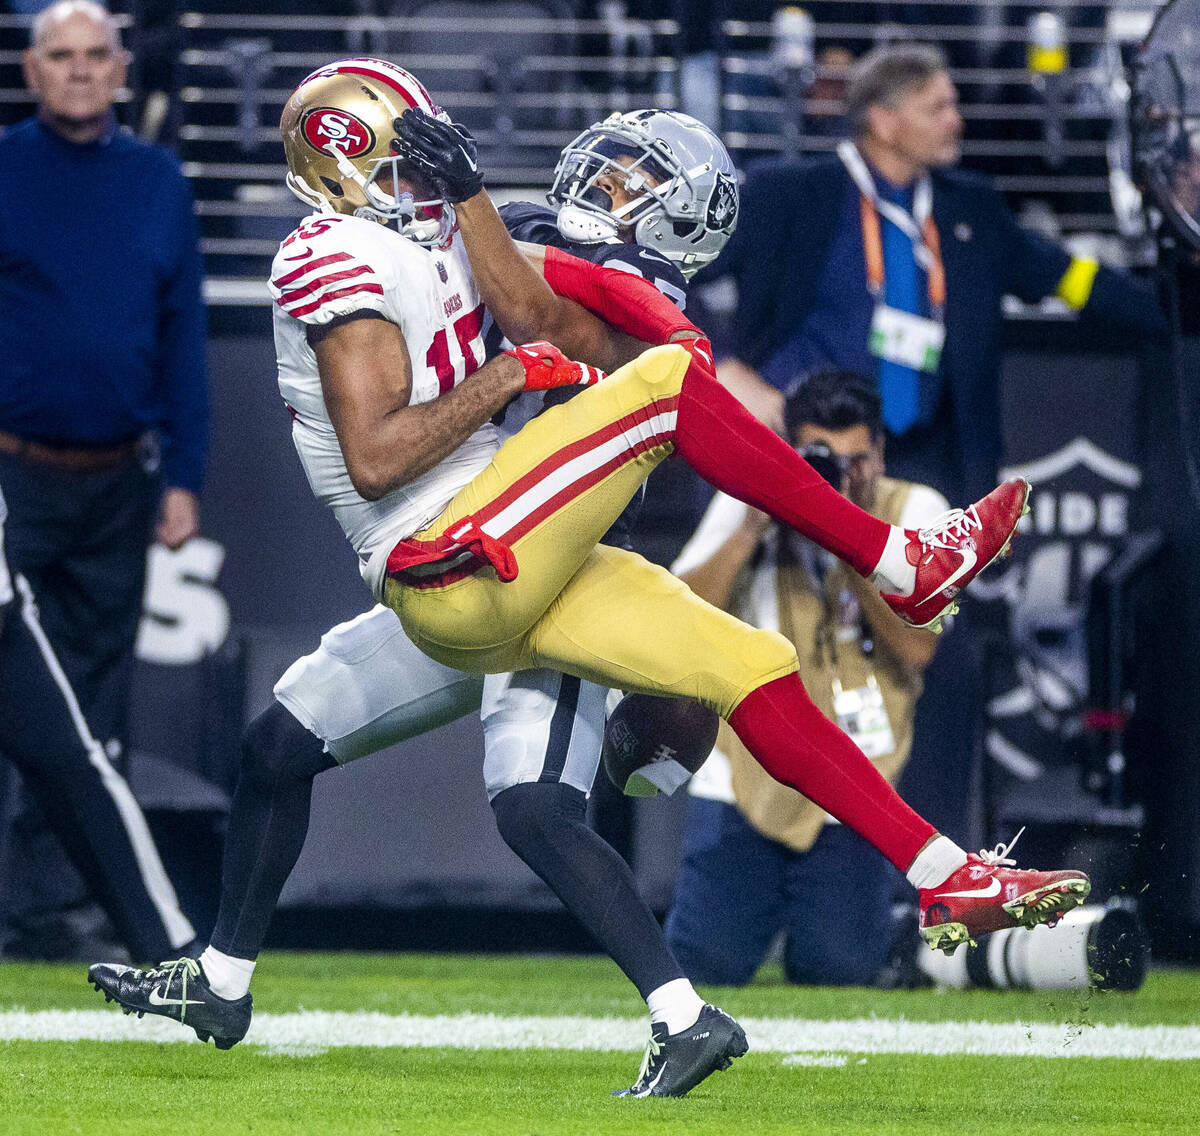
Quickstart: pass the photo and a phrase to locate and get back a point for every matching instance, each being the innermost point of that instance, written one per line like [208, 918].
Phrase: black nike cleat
[676, 1063]
[177, 990]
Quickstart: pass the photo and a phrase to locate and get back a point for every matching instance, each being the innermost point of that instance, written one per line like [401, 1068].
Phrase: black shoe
[676, 1063]
[175, 990]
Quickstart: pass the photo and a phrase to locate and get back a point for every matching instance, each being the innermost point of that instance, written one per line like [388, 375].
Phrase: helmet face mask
[428, 220]
[337, 131]
[1165, 114]
[680, 180]
[582, 169]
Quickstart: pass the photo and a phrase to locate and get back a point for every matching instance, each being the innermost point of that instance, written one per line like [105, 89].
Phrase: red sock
[734, 452]
[796, 744]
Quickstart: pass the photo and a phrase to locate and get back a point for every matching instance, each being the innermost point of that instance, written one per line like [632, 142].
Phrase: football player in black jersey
[650, 192]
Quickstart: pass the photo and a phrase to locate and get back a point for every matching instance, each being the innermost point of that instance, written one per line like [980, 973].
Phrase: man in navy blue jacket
[101, 363]
[883, 260]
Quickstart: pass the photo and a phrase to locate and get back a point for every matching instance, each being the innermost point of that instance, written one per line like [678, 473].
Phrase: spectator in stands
[757, 855]
[884, 260]
[102, 340]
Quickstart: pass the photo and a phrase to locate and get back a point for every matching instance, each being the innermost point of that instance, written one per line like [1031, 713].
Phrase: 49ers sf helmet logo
[325, 128]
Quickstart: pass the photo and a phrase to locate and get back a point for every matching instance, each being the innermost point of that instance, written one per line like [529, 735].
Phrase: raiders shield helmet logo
[722, 204]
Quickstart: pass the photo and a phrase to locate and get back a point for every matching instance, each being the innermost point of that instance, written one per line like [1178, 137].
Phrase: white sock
[935, 863]
[676, 1003]
[894, 574]
[229, 977]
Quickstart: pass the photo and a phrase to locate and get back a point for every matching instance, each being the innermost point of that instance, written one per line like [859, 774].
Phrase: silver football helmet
[682, 181]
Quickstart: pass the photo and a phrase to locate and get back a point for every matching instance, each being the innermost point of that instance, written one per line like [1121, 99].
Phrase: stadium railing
[526, 84]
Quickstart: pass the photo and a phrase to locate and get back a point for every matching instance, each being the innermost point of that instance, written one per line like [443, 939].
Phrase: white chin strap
[307, 194]
[585, 227]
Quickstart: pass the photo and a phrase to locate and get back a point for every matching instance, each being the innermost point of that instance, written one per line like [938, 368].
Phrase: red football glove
[547, 367]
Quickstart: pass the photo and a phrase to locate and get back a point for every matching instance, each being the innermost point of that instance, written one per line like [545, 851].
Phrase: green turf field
[451, 1044]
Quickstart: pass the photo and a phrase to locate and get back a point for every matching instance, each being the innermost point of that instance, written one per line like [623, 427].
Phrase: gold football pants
[600, 613]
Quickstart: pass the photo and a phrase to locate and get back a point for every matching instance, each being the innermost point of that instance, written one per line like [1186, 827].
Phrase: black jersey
[536, 224]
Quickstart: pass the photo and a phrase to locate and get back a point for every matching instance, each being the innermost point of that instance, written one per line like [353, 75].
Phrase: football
[653, 745]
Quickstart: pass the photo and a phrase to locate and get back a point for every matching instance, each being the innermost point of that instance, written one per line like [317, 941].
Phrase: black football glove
[443, 151]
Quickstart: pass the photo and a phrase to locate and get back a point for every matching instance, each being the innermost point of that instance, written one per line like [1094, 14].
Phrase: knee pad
[367, 687]
[276, 746]
[534, 808]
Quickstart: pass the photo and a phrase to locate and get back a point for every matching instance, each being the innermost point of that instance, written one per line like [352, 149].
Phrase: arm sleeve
[622, 299]
[182, 332]
[649, 265]
[1037, 268]
[720, 521]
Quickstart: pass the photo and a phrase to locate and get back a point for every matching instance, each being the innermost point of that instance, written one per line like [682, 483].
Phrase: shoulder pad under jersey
[331, 266]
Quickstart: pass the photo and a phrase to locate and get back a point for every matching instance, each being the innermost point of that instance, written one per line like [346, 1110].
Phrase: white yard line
[308, 1032]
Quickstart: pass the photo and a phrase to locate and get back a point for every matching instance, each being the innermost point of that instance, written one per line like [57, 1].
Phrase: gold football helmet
[337, 133]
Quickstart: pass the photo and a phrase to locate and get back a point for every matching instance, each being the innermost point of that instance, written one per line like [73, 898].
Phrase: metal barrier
[525, 86]
[1038, 116]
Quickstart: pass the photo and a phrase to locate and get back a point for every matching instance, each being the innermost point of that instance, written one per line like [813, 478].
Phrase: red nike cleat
[952, 551]
[987, 893]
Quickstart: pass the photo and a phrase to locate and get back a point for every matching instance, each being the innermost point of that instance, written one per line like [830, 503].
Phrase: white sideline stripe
[308, 1030]
[145, 853]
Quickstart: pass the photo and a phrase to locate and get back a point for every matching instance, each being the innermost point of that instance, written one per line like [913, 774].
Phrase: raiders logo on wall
[1078, 520]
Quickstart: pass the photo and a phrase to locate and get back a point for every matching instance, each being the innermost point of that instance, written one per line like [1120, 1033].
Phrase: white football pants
[366, 687]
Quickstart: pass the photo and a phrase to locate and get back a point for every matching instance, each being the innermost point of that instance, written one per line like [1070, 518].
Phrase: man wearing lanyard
[881, 259]
[907, 331]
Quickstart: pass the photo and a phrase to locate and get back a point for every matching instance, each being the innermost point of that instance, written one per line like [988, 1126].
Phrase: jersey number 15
[450, 371]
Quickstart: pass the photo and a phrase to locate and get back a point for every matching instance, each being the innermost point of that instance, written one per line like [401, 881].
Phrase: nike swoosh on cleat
[654, 1084]
[968, 562]
[993, 888]
[157, 999]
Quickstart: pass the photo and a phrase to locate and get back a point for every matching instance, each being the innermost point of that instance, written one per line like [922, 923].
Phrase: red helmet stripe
[405, 84]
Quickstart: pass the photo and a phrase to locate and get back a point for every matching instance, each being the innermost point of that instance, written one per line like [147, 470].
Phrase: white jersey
[332, 266]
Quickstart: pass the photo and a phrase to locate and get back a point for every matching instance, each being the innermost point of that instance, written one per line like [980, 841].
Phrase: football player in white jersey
[549, 493]
[367, 687]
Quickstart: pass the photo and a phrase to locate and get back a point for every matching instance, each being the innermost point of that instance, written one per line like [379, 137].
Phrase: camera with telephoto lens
[832, 467]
